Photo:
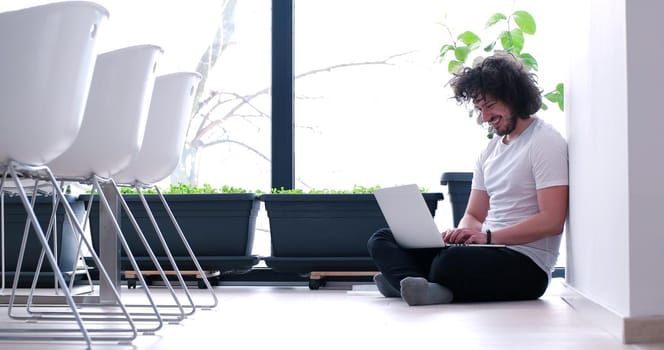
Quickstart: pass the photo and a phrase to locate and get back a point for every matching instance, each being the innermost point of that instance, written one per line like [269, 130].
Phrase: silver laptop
[409, 218]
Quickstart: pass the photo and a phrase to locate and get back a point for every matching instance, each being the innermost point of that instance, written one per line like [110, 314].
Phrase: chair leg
[19, 263]
[181, 315]
[52, 227]
[190, 251]
[167, 250]
[99, 333]
[79, 253]
[50, 257]
[155, 315]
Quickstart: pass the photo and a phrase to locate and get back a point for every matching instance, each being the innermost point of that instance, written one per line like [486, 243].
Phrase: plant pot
[218, 227]
[15, 218]
[324, 232]
[458, 186]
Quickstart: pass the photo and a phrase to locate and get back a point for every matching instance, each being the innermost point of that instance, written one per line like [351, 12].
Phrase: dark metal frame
[283, 163]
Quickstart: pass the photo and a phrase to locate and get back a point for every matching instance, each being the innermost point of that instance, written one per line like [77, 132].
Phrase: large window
[371, 105]
[237, 145]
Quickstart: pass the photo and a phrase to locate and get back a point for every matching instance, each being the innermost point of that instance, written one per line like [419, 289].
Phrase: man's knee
[448, 263]
[382, 235]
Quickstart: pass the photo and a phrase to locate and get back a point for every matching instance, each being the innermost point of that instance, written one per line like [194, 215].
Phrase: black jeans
[473, 274]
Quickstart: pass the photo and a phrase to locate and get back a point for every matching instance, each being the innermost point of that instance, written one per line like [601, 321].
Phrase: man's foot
[419, 291]
[385, 288]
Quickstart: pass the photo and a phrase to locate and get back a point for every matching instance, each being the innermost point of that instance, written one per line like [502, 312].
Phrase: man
[519, 199]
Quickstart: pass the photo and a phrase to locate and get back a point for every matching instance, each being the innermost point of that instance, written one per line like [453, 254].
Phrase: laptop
[410, 220]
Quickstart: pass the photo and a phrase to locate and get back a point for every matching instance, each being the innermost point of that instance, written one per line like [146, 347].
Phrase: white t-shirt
[511, 175]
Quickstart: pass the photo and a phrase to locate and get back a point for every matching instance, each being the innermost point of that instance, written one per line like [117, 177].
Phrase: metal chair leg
[90, 333]
[85, 336]
[149, 250]
[190, 251]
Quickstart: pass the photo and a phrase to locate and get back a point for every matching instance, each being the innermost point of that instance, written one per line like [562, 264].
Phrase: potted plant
[511, 39]
[325, 231]
[218, 224]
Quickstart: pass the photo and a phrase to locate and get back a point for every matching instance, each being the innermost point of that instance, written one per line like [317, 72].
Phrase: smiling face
[497, 114]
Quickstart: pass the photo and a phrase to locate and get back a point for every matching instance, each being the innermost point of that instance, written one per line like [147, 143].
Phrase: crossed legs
[453, 274]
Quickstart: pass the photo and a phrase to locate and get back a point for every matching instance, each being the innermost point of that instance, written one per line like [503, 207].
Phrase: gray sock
[419, 291]
[385, 288]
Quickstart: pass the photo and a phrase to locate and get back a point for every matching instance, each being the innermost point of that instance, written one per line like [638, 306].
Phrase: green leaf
[490, 46]
[552, 96]
[517, 40]
[495, 18]
[529, 61]
[445, 49]
[544, 107]
[525, 22]
[470, 39]
[506, 41]
[452, 66]
[461, 53]
[557, 96]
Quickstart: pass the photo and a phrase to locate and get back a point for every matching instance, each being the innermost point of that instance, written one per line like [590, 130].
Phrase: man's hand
[464, 236]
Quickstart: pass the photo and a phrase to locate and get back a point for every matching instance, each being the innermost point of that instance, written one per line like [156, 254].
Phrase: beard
[508, 125]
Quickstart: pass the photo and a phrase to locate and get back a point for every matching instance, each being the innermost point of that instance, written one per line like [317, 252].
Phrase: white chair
[115, 115]
[110, 137]
[170, 110]
[46, 60]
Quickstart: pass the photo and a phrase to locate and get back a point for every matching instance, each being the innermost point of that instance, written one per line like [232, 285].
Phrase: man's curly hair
[503, 78]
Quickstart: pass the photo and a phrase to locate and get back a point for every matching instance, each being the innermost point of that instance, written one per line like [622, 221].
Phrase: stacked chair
[48, 56]
[113, 133]
[109, 137]
[71, 115]
[170, 107]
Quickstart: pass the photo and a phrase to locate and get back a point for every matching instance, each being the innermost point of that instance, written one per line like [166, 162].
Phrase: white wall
[614, 235]
[645, 91]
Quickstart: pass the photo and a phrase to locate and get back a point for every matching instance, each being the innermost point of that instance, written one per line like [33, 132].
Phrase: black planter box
[218, 227]
[325, 232]
[67, 240]
[458, 186]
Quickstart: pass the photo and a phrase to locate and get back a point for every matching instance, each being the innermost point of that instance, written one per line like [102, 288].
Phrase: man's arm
[476, 210]
[549, 221]
[471, 222]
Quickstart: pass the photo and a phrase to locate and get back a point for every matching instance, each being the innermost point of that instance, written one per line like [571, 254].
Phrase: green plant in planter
[182, 188]
[517, 25]
[219, 224]
[357, 189]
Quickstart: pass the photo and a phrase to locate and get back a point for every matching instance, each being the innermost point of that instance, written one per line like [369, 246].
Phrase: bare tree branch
[246, 100]
[217, 142]
[207, 120]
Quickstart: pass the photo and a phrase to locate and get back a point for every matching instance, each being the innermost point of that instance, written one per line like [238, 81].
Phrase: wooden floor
[343, 316]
